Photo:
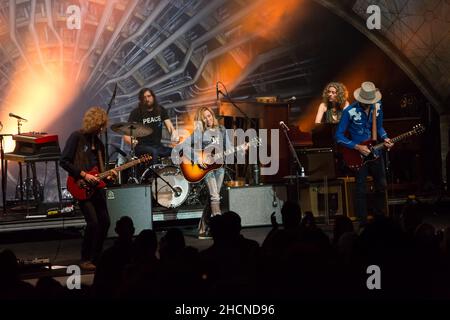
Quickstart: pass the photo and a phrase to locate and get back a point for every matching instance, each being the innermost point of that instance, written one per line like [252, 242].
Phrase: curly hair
[342, 94]
[94, 119]
[200, 117]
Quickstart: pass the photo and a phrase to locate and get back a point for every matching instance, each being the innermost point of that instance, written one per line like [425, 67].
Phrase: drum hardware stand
[132, 178]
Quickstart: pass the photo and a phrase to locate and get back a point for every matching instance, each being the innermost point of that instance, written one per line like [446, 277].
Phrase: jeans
[97, 224]
[376, 168]
[155, 151]
[213, 180]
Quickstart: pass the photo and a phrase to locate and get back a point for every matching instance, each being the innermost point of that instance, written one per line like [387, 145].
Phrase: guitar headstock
[418, 129]
[145, 158]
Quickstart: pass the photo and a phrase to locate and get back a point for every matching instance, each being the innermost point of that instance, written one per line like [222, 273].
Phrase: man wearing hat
[357, 121]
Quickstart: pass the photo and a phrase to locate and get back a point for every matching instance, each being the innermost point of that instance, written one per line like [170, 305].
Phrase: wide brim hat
[367, 93]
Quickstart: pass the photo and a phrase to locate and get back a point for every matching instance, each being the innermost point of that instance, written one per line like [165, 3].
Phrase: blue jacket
[359, 125]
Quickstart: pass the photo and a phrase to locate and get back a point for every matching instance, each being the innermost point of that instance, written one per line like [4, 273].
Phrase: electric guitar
[355, 159]
[193, 172]
[83, 190]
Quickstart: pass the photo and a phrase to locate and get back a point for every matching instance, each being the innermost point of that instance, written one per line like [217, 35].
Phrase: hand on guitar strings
[113, 175]
[388, 144]
[363, 149]
[205, 161]
[89, 178]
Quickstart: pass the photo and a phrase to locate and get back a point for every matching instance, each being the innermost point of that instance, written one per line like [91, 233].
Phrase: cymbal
[133, 129]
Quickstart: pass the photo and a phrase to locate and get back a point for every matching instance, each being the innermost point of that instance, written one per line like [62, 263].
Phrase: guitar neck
[119, 168]
[236, 149]
[232, 150]
[394, 140]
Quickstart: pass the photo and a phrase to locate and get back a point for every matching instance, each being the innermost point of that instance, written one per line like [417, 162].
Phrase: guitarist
[209, 133]
[82, 152]
[359, 121]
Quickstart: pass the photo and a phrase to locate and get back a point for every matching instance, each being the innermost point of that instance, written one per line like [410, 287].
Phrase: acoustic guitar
[193, 172]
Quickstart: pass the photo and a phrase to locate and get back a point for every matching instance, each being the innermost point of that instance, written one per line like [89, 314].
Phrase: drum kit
[169, 187]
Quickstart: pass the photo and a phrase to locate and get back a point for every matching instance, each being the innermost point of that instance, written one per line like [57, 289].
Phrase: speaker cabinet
[318, 163]
[255, 204]
[134, 201]
[313, 198]
[349, 186]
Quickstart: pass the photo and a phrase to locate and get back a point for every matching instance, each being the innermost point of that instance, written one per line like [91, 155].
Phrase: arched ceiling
[181, 48]
[415, 34]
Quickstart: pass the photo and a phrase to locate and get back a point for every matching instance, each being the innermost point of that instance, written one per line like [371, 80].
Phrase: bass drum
[162, 193]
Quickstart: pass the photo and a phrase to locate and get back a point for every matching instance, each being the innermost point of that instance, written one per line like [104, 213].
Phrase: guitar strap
[101, 166]
[374, 122]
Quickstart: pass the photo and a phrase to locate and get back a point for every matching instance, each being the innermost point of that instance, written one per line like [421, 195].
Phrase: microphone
[217, 90]
[284, 126]
[293, 98]
[17, 117]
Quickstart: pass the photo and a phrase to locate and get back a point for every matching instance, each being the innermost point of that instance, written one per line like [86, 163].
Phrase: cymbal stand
[132, 178]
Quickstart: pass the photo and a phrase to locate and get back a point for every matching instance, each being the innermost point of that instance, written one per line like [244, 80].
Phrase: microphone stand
[2, 159]
[227, 96]
[177, 192]
[106, 129]
[297, 162]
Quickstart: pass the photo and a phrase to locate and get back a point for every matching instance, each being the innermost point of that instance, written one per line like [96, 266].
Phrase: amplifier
[255, 204]
[349, 189]
[318, 163]
[313, 198]
[134, 201]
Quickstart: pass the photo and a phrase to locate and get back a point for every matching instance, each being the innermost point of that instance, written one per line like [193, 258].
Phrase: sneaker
[204, 235]
[87, 266]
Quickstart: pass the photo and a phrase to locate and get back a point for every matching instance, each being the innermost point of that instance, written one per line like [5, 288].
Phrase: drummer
[151, 115]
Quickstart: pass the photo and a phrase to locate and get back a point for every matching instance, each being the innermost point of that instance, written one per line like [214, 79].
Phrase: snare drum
[162, 192]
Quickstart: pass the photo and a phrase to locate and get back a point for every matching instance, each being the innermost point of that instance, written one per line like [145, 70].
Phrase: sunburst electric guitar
[355, 159]
[82, 190]
[193, 172]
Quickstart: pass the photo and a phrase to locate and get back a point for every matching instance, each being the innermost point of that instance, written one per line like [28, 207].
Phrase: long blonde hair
[342, 94]
[200, 118]
[94, 119]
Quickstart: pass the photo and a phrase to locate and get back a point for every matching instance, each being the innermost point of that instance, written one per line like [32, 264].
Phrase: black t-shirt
[80, 143]
[153, 119]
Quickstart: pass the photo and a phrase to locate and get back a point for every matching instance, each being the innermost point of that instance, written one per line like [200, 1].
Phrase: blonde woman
[210, 134]
[334, 100]
[83, 151]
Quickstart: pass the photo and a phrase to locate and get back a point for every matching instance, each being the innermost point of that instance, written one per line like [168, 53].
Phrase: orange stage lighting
[39, 91]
